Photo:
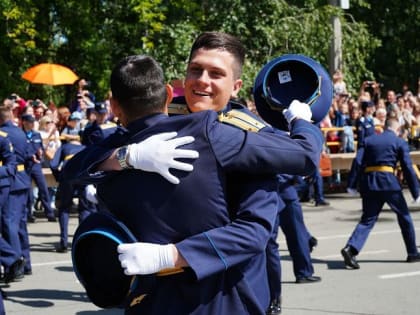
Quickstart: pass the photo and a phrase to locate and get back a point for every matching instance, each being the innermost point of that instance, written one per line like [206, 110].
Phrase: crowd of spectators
[346, 109]
[56, 124]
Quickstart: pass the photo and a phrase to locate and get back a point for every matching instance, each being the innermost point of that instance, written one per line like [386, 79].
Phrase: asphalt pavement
[384, 285]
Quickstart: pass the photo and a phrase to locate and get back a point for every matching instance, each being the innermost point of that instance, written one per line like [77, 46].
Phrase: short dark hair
[138, 84]
[223, 41]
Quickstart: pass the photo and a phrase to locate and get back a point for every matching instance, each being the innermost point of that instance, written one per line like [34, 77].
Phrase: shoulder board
[241, 120]
[108, 125]
[178, 109]
[3, 134]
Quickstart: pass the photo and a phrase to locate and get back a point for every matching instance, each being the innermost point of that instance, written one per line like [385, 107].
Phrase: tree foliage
[396, 23]
[90, 36]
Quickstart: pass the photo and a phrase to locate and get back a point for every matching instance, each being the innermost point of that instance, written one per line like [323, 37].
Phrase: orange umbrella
[50, 73]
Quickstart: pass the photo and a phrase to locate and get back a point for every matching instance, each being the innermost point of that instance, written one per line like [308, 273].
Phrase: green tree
[396, 24]
[17, 27]
[90, 36]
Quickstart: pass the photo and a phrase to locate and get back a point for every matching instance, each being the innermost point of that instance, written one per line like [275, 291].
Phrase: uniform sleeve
[356, 168]
[80, 169]
[96, 136]
[220, 248]
[55, 163]
[408, 170]
[361, 133]
[8, 160]
[91, 135]
[265, 152]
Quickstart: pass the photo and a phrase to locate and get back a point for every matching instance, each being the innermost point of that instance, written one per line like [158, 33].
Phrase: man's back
[381, 153]
[197, 204]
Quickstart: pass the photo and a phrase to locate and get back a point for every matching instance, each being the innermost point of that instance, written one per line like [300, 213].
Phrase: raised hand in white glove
[352, 191]
[297, 110]
[91, 193]
[145, 258]
[158, 153]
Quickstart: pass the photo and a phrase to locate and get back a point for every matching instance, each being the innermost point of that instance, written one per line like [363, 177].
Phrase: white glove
[352, 191]
[145, 258]
[158, 153]
[91, 193]
[297, 110]
[417, 200]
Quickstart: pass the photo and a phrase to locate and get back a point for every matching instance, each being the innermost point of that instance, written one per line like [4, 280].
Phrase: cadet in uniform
[14, 226]
[36, 149]
[204, 238]
[365, 127]
[100, 128]
[9, 258]
[66, 191]
[376, 161]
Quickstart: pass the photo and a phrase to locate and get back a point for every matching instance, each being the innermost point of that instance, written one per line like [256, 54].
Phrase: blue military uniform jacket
[385, 150]
[63, 154]
[7, 160]
[194, 213]
[365, 127]
[34, 140]
[17, 137]
[95, 132]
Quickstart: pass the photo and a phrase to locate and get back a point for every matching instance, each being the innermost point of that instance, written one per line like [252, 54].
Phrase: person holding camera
[84, 98]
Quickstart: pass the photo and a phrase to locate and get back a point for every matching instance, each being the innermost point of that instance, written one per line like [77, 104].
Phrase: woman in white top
[50, 136]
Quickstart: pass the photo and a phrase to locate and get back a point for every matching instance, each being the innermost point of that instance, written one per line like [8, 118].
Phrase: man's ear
[236, 88]
[116, 109]
[170, 93]
[169, 96]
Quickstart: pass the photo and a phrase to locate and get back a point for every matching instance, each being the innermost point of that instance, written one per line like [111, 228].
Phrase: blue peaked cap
[95, 259]
[291, 77]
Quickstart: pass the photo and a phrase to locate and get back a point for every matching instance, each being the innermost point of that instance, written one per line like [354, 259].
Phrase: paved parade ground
[384, 285]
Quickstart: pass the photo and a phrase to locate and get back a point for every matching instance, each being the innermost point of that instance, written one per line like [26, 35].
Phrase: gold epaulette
[178, 109]
[241, 120]
[68, 157]
[108, 125]
[3, 134]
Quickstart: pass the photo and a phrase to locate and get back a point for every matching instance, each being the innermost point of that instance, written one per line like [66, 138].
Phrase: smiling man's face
[211, 81]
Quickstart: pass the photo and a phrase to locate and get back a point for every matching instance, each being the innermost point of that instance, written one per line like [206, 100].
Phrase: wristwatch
[121, 156]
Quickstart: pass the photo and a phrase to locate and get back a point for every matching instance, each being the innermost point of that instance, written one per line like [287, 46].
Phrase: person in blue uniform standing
[365, 127]
[224, 264]
[37, 151]
[9, 258]
[376, 161]
[299, 243]
[11, 262]
[66, 191]
[100, 128]
[14, 225]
